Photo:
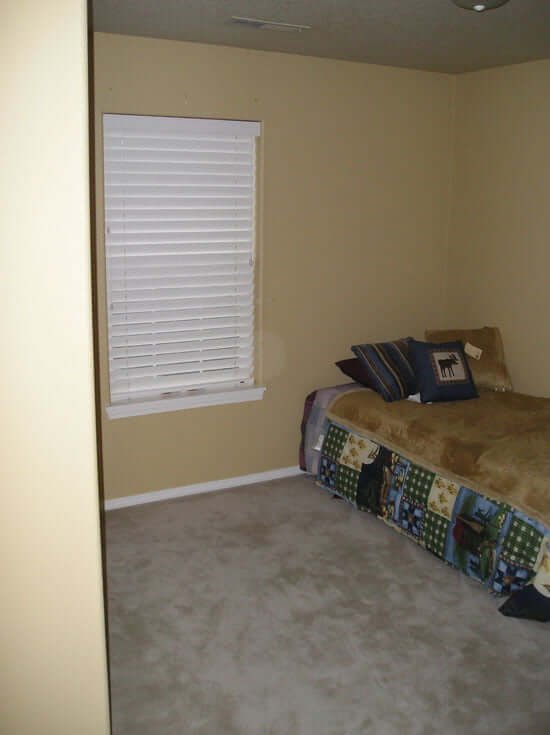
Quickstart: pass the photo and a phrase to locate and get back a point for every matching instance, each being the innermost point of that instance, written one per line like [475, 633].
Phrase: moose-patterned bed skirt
[490, 541]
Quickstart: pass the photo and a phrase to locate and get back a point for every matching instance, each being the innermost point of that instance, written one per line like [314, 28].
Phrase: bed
[467, 480]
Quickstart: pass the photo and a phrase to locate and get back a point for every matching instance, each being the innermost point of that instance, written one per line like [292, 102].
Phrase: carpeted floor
[275, 610]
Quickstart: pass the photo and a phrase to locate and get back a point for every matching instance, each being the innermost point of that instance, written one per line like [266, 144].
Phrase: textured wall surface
[353, 231]
[499, 255]
[53, 676]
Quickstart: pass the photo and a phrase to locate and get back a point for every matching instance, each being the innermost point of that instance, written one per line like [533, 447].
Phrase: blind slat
[167, 337]
[117, 192]
[182, 179]
[174, 331]
[138, 332]
[178, 264]
[161, 168]
[132, 218]
[192, 202]
[175, 144]
[152, 225]
[149, 352]
[208, 297]
[190, 230]
[190, 362]
[142, 280]
[123, 291]
[146, 388]
[127, 154]
[141, 246]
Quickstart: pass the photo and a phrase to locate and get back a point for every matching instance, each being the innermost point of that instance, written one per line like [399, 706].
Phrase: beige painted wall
[500, 256]
[52, 648]
[354, 228]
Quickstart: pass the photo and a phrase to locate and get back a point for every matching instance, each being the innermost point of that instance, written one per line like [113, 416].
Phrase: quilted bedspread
[491, 541]
[497, 445]
[430, 489]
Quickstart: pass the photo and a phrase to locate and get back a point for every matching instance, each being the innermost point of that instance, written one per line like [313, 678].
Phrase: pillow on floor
[533, 601]
[527, 603]
[490, 370]
[442, 371]
[388, 368]
[354, 369]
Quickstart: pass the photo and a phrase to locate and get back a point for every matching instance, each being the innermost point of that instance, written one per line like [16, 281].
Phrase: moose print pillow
[442, 371]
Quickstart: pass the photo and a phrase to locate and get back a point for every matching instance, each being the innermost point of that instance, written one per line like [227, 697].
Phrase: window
[179, 244]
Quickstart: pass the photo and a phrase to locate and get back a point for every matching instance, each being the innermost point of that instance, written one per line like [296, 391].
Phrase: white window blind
[179, 241]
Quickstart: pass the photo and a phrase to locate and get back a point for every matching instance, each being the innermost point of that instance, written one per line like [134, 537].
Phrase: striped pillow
[388, 366]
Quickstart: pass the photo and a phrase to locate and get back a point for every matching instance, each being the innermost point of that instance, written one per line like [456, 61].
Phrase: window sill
[202, 397]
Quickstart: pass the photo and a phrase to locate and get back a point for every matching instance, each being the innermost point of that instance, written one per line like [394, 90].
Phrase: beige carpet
[276, 610]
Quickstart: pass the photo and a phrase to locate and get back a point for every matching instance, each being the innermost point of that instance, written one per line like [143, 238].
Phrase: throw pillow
[442, 371]
[388, 368]
[490, 370]
[527, 603]
[354, 369]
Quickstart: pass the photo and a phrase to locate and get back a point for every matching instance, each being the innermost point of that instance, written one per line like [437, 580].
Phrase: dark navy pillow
[388, 368]
[442, 371]
[527, 603]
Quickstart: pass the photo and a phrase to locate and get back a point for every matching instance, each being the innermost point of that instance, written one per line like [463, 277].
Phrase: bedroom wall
[499, 262]
[354, 230]
[53, 675]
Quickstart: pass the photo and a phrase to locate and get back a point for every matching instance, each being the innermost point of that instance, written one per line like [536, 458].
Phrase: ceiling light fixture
[479, 7]
[269, 25]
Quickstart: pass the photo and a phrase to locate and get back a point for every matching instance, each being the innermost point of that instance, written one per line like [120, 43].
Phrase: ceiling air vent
[269, 25]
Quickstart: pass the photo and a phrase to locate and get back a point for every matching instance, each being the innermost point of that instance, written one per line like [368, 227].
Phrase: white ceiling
[422, 34]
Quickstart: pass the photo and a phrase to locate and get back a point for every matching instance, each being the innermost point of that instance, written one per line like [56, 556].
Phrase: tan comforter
[498, 444]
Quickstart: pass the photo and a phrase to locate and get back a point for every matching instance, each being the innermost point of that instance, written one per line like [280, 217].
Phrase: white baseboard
[201, 487]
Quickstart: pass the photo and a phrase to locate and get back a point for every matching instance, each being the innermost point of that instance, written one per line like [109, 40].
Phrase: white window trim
[194, 399]
[209, 395]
